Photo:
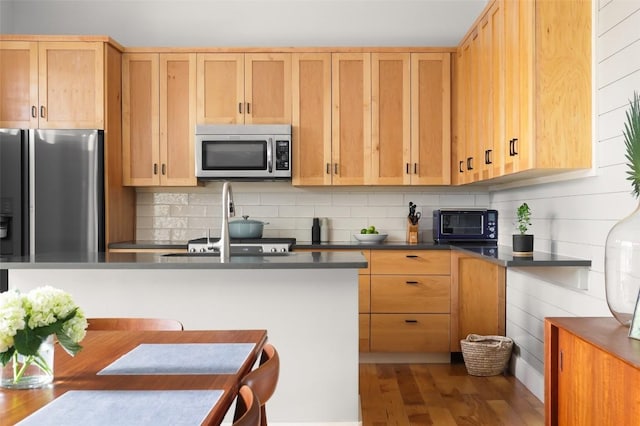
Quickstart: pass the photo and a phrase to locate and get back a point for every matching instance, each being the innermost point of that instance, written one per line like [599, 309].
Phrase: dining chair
[247, 408]
[133, 324]
[264, 378]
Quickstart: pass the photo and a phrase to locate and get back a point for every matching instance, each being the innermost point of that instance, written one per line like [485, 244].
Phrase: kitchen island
[308, 303]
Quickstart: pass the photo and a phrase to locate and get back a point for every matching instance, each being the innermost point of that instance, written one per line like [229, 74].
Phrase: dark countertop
[500, 255]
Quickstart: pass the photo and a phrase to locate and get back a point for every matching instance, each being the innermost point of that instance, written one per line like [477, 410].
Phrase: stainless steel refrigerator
[51, 191]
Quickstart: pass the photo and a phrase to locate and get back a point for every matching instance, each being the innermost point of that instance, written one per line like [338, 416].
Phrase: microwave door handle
[270, 155]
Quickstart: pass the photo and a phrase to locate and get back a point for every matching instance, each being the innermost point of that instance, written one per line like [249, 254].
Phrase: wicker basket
[486, 355]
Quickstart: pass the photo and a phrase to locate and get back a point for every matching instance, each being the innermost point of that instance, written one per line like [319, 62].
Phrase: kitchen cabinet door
[140, 119]
[351, 118]
[237, 88]
[177, 119]
[220, 88]
[158, 119]
[311, 112]
[459, 123]
[391, 118]
[478, 290]
[52, 85]
[18, 84]
[430, 119]
[518, 99]
[268, 88]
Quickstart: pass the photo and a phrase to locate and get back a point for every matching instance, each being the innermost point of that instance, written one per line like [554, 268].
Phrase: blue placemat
[123, 408]
[181, 358]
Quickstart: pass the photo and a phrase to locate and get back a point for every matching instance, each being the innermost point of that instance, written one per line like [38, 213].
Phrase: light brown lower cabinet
[478, 303]
[592, 371]
[410, 300]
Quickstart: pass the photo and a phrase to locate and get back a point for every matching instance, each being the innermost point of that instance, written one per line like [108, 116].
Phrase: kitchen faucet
[222, 245]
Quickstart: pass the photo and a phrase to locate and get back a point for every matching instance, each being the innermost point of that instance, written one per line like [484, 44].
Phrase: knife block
[412, 233]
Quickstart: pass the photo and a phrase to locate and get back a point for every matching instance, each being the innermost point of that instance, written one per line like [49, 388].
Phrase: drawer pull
[411, 256]
[412, 282]
[411, 321]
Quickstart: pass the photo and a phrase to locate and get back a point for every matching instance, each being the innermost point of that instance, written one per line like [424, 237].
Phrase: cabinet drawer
[364, 294]
[437, 262]
[363, 344]
[409, 333]
[410, 293]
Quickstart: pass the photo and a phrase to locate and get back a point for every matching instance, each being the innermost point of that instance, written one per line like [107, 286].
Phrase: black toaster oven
[468, 225]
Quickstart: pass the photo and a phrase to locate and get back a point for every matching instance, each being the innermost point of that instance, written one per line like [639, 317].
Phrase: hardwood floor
[443, 394]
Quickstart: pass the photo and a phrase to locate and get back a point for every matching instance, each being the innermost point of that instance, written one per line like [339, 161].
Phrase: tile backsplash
[180, 214]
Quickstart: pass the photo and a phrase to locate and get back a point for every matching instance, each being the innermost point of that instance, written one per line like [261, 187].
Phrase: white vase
[28, 372]
[622, 267]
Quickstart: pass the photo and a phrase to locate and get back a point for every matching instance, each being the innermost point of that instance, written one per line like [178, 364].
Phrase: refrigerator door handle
[32, 191]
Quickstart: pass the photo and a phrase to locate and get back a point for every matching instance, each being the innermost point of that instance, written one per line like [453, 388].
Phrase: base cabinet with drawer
[410, 300]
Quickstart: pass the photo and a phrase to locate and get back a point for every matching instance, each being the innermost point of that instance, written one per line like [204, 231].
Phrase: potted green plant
[523, 242]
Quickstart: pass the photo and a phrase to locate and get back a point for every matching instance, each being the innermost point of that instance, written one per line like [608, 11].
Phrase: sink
[233, 254]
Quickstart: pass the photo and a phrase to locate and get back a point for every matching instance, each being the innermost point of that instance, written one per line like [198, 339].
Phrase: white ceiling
[248, 22]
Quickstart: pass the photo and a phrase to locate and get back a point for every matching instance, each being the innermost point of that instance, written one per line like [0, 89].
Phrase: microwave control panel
[492, 224]
[283, 155]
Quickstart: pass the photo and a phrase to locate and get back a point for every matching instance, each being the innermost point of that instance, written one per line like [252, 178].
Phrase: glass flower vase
[622, 267]
[29, 371]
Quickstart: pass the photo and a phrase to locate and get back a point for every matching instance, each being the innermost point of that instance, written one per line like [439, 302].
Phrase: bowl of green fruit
[370, 235]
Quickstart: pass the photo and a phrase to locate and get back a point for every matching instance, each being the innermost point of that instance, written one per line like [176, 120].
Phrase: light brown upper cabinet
[52, 85]
[430, 119]
[483, 65]
[411, 118]
[235, 88]
[391, 119]
[555, 86]
[535, 117]
[351, 118]
[159, 109]
[311, 111]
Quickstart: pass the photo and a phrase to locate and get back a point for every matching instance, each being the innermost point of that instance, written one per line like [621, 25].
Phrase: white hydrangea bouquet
[28, 320]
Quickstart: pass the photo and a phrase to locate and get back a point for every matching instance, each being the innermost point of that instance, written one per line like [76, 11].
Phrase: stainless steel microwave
[243, 151]
[470, 225]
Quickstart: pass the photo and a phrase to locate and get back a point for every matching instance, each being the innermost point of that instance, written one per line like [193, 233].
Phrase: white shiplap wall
[574, 217]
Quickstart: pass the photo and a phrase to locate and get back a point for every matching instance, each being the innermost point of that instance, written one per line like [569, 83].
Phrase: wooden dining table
[102, 348]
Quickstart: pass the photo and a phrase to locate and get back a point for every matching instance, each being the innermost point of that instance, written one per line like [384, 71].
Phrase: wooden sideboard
[592, 371]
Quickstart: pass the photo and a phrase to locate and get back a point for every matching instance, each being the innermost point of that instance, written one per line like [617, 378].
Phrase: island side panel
[311, 316]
